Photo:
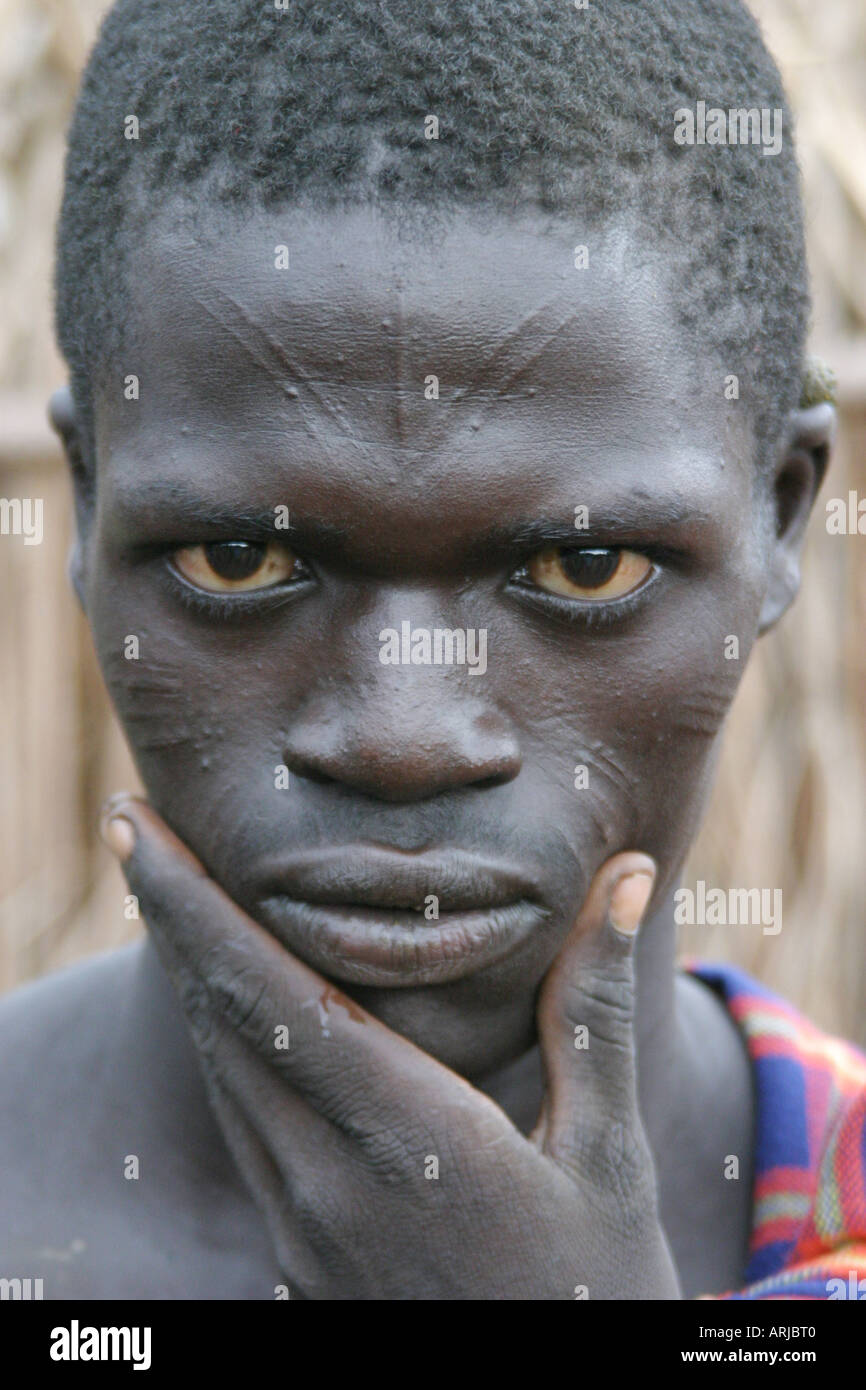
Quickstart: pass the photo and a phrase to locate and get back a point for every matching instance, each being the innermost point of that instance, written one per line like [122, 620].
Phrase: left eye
[228, 567]
[591, 575]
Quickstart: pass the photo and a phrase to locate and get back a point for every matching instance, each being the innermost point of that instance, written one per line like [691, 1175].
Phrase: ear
[798, 476]
[64, 421]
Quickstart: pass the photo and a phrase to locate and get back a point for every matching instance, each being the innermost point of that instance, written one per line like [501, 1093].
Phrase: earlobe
[798, 476]
[63, 418]
[61, 412]
[75, 572]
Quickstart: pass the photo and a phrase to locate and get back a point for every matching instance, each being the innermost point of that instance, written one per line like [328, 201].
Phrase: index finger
[224, 963]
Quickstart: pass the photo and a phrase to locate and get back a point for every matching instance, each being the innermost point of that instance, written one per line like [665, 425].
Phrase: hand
[338, 1134]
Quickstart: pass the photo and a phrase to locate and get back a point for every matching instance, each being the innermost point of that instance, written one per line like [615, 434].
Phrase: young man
[416, 517]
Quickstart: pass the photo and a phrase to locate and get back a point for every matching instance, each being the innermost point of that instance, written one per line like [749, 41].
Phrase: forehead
[479, 348]
[501, 305]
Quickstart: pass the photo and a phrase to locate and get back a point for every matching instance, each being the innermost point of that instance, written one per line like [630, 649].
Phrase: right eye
[230, 567]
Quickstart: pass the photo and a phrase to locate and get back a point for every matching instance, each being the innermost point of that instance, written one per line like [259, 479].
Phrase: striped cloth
[809, 1200]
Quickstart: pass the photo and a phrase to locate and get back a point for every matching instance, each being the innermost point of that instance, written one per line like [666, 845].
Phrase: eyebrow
[178, 515]
[170, 511]
[634, 516]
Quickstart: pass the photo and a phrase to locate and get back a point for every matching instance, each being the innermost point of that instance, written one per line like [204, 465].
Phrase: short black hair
[573, 108]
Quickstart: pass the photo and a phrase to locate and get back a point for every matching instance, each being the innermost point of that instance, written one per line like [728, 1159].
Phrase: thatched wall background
[789, 807]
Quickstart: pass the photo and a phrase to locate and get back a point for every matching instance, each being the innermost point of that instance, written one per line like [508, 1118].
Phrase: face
[401, 434]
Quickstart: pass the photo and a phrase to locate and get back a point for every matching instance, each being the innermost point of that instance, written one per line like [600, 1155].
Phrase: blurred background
[789, 806]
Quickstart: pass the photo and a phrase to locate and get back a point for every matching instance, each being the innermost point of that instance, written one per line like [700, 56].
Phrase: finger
[280, 1180]
[586, 1024]
[204, 938]
[233, 976]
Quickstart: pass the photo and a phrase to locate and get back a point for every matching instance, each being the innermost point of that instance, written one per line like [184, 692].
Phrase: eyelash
[589, 615]
[229, 606]
[597, 615]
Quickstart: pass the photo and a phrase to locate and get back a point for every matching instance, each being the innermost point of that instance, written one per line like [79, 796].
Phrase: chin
[473, 1037]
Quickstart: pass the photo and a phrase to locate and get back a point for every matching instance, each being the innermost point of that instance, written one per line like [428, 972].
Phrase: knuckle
[321, 1218]
[387, 1152]
[612, 989]
[198, 1009]
[238, 997]
[616, 1168]
[604, 1001]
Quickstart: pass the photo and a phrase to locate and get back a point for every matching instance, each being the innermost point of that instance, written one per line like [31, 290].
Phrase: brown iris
[226, 567]
[590, 575]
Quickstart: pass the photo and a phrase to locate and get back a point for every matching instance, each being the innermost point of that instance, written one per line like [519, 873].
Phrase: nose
[405, 735]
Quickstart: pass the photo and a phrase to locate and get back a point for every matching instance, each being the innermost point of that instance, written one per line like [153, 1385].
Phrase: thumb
[586, 1020]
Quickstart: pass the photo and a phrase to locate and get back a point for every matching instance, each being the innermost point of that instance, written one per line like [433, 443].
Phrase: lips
[365, 915]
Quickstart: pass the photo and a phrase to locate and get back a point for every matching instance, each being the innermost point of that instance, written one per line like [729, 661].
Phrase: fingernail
[118, 834]
[628, 901]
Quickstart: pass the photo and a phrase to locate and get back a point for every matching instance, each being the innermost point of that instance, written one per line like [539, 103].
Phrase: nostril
[496, 779]
[300, 767]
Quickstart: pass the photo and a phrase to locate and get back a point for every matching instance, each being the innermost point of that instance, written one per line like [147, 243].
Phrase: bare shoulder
[56, 1036]
[53, 1032]
[34, 1012]
[115, 1184]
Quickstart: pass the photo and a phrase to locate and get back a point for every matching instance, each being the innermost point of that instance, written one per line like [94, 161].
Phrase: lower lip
[372, 946]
